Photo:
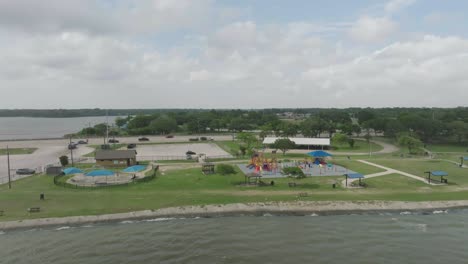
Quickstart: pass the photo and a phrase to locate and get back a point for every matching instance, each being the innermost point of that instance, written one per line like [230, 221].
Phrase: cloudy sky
[232, 53]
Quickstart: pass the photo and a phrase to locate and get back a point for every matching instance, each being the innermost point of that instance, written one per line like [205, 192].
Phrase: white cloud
[396, 5]
[372, 29]
[418, 73]
[99, 17]
[239, 64]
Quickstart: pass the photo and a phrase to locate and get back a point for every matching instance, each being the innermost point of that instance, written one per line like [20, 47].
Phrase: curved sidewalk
[387, 172]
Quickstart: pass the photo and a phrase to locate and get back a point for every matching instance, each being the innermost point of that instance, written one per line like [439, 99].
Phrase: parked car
[113, 140]
[169, 136]
[72, 145]
[25, 171]
[190, 153]
[131, 146]
[143, 139]
[82, 142]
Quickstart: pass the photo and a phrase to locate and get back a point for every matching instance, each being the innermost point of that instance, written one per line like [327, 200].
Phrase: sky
[233, 53]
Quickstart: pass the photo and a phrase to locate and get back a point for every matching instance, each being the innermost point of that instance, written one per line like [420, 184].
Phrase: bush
[225, 169]
[294, 172]
[63, 160]
[203, 138]
[193, 139]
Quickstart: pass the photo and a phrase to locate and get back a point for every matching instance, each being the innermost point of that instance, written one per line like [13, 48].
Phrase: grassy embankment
[18, 151]
[190, 187]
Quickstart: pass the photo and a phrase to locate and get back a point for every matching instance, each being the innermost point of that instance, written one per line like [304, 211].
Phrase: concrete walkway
[386, 172]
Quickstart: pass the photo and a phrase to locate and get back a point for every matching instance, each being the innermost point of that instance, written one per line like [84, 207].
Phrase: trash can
[41, 196]
[334, 185]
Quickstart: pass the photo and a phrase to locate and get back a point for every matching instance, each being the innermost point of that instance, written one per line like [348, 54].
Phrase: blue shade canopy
[319, 154]
[465, 158]
[355, 175]
[100, 173]
[439, 173]
[135, 168]
[72, 170]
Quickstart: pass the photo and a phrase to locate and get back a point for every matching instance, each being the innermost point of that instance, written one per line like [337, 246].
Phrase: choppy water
[33, 128]
[386, 238]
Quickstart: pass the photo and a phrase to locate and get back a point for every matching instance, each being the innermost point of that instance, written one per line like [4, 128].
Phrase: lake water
[34, 128]
[382, 238]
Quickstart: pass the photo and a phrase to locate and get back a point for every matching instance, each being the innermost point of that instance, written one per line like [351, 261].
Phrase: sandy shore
[278, 208]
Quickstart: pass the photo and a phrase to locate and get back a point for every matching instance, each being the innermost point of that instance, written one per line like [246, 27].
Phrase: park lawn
[17, 151]
[456, 175]
[359, 146]
[357, 166]
[395, 182]
[448, 148]
[187, 187]
[231, 147]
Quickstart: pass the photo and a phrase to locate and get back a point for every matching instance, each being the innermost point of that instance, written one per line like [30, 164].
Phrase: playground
[318, 164]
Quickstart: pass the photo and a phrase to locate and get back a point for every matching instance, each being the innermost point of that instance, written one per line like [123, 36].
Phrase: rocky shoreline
[274, 208]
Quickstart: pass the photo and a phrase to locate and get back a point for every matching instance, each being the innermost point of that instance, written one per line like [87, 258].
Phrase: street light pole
[8, 161]
[71, 151]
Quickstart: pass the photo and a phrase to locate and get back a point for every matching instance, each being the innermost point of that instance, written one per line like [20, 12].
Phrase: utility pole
[71, 151]
[107, 126]
[8, 161]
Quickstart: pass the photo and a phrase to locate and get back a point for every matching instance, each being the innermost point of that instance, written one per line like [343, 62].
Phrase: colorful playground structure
[259, 163]
[317, 164]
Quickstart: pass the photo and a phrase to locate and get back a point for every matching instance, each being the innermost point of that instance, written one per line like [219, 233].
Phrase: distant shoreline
[274, 208]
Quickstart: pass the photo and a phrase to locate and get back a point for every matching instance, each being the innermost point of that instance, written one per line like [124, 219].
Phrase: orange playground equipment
[261, 164]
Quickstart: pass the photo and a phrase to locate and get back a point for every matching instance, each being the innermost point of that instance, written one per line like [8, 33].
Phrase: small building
[116, 158]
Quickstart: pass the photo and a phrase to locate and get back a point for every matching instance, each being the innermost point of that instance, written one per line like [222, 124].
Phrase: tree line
[425, 125]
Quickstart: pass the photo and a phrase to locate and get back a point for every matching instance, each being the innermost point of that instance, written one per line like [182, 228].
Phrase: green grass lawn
[357, 166]
[191, 187]
[448, 148]
[231, 147]
[456, 175]
[395, 182]
[18, 151]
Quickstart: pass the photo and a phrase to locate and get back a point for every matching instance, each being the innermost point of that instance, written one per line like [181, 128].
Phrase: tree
[163, 125]
[140, 121]
[248, 139]
[459, 130]
[289, 130]
[120, 122]
[351, 142]
[410, 142]
[284, 144]
[63, 160]
[339, 139]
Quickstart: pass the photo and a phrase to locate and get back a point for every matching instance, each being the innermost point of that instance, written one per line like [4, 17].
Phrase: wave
[160, 219]
[62, 228]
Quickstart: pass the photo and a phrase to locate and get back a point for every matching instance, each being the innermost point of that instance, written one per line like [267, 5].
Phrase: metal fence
[156, 158]
[219, 157]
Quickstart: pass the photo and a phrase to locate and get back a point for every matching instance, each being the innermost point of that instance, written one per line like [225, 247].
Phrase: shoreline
[299, 208]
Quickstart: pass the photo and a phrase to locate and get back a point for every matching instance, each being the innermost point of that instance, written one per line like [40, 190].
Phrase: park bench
[291, 184]
[303, 194]
[34, 209]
